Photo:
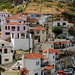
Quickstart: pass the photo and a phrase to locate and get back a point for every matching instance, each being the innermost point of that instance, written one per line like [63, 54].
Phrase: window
[12, 35]
[37, 32]
[7, 33]
[2, 44]
[0, 50]
[8, 27]
[24, 28]
[5, 50]
[5, 27]
[64, 23]
[43, 32]
[18, 35]
[37, 63]
[36, 73]
[53, 57]
[18, 28]
[58, 24]
[13, 28]
[6, 59]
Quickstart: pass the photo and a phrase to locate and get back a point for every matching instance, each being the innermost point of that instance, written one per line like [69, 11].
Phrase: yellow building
[39, 35]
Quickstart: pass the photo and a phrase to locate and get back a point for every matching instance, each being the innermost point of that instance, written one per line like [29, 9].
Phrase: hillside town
[36, 44]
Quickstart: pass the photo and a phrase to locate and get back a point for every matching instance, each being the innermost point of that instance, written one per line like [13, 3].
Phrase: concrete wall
[30, 64]
[6, 56]
[46, 46]
[12, 73]
[21, 43]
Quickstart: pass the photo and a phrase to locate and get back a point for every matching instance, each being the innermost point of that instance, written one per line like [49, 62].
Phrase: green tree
[72, 31]
[56, 30]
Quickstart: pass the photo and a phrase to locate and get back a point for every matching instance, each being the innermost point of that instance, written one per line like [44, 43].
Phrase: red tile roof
[4, 13]
[24, 71]
[39, 28]
[31, 20]
[33, 56]
[14, 23]
[57, 42]
[70, 23]
[50, 50]
[15, 17]
[49, 67]
[73, 40]
[44, 58]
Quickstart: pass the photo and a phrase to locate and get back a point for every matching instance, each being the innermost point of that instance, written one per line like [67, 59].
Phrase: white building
[6, 56]
[63, 25]
[36, 64]
[52, 55]
[70, 25]
[45, 45]
[3, 15]
[22, 42]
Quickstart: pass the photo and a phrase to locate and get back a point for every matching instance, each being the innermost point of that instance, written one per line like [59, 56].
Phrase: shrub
[47, 5]
[63, 37]
[63, 1]
[57, 9]
[59, 5]
[72, 9]
[22, 34]
[6, 6]
[69, 4]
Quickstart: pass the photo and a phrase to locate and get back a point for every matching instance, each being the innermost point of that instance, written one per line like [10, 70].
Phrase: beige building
[39, 35]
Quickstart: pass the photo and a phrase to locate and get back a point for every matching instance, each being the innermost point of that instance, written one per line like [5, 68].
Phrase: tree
[72, 31]
[56, 30]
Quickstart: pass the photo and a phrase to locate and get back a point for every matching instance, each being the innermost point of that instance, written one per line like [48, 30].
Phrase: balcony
[58, 58]
[44, 64]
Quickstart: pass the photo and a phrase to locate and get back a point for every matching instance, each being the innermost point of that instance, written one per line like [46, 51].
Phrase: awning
[49, 67]
[44, 58]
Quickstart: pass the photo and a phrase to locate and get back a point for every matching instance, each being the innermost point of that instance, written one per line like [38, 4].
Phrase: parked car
[71, 69]
[70, 66]
[68, 72]
[61, 73]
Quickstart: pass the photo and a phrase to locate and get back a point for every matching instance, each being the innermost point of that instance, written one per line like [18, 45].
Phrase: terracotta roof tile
[24, 71]
[50, 50]
[49, 67]
[14, 23]
[44, 58]
[70, 23]
[33, 56]
[39, 28]
[15, 17]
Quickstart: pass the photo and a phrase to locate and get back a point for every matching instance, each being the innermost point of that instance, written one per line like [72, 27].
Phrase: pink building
[14, 25]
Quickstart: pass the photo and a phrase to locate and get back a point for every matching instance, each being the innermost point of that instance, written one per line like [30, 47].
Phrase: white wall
[30, 64]
[6, 56]
[61, 23]
[21, 44]
[47, 45]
